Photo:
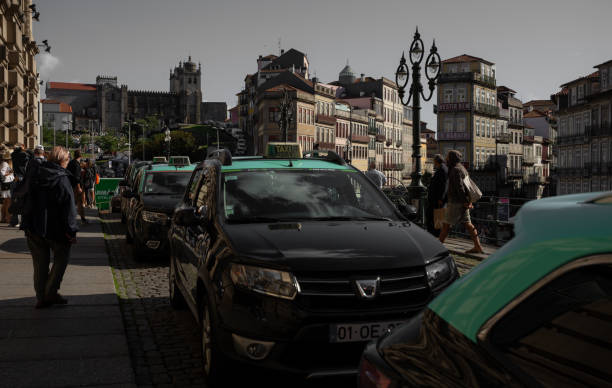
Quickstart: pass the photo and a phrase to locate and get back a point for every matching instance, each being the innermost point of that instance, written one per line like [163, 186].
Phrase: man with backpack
[460, 200]
[74, 168]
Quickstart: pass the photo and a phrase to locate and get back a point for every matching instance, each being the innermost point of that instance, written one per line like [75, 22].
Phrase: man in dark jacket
[50, 226]
[20, 160]
[436, 194]
[459, 205]
[74, 168]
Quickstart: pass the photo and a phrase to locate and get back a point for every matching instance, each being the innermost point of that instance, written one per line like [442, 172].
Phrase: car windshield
[279, 195]
[166, 183]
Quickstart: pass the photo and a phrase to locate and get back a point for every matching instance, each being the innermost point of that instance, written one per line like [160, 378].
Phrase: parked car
[159, 188]
[129, 183]
[536, 313]
[293, 264]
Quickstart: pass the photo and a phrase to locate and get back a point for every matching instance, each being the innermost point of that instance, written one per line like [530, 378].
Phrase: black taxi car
[158, 188]
[293, 264]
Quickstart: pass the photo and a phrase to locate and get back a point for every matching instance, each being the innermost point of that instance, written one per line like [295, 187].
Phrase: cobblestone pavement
[164, 343]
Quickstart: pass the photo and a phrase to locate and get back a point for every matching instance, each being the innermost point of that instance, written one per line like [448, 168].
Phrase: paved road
[164, 343]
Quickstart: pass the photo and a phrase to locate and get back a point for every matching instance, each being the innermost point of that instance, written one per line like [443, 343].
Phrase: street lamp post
[286, 114]
[167, 139]
[402, 75]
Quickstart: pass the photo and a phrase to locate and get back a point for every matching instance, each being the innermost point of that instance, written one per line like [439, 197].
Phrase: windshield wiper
[345, 218]
[254, 219]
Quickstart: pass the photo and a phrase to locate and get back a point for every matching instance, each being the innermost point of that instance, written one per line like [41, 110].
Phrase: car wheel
[138, 251]
[177, 300]
[212, 360]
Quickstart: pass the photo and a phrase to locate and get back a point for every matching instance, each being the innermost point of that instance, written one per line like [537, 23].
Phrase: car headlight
[271, 282]
[440, 272]
[154, 217]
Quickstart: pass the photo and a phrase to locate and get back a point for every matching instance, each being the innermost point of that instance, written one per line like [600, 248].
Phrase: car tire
[213, 362]
[137, 251]
[177, 300]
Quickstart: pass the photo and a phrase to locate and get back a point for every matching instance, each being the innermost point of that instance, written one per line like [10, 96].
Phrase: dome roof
[347, 71]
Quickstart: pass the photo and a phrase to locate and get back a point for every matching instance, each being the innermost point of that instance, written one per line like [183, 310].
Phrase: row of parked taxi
[298, 263]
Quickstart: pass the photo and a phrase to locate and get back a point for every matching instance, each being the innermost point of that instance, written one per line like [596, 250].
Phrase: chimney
[362, 77]
[282, 51]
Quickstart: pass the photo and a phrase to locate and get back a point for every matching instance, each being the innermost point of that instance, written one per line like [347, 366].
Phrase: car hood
[354, 244]
[161, 203]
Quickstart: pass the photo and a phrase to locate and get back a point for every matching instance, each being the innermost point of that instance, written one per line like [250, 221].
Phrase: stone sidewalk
[80, 344]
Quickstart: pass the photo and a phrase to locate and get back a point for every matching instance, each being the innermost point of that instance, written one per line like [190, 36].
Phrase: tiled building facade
[19, 88]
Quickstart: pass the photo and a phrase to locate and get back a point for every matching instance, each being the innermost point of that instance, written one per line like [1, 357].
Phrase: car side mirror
[186, 216]
[409, 212]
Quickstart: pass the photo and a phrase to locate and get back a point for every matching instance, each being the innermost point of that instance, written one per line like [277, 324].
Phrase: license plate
[354, 332]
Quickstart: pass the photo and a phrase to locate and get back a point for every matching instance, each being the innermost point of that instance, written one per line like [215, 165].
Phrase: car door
[196, 236]
[178, 239]
[136, 191]
[558, 333]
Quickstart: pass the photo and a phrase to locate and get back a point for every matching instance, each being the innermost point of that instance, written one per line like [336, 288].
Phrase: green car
[536, 313]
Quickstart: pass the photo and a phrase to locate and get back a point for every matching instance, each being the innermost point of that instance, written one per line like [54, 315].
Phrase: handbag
[439, 217]
[474, 193]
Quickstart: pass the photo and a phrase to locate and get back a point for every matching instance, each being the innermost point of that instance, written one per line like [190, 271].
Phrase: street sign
[105, 190]
[283, 151]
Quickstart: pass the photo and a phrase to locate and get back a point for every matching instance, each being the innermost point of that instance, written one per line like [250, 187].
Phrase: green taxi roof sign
[179, 161]
[159, 159]
[283, 151]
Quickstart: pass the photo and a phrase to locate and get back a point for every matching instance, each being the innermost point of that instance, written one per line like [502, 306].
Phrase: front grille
[333, 290]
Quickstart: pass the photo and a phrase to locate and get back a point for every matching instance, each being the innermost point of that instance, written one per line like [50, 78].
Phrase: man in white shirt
[377, 177]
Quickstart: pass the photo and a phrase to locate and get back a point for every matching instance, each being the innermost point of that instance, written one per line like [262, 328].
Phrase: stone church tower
[186, 82]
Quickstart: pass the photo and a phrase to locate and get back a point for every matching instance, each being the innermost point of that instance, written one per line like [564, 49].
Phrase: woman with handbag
[462, 192]
[6, 178]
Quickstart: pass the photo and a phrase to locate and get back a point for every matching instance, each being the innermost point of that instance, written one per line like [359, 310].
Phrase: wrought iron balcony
[380, 138]
[504, 137]
[528, 160]
[468, 76]
[515, 122]
[486, 109]
[372, 130]
[360, 139]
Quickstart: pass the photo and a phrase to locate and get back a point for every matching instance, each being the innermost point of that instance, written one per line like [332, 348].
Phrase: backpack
[472, 189]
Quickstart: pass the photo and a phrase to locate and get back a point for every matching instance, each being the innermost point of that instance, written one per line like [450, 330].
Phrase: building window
[461, 124]
[448, 94]
[461, 94]
[477, 127]
[448, 125]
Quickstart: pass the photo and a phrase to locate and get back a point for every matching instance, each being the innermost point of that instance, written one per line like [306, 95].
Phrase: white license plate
[353, 332]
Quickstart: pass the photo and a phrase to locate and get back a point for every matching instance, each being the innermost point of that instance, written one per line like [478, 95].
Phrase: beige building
[19, 89]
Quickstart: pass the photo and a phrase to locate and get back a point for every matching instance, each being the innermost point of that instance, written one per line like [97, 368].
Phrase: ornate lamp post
[167, 139]
[286, 114]
[402, 75]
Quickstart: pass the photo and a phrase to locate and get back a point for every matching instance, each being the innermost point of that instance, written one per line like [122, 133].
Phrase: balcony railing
[504, 137]
[360, 139]
[324, 119]
[515, 121]
[486, 109]
[528, 160]
[604, 129]
[454, 136]
[380, 138]
[327, 146]
[468, 77]
[388, 143]
[372, 130]
[454, 107]
[515, 172]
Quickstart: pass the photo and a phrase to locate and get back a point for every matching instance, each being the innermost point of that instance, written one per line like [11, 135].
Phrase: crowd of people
[41, 193]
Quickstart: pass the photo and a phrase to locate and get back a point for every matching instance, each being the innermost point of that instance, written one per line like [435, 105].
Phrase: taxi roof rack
[223, 155]
[328, 156]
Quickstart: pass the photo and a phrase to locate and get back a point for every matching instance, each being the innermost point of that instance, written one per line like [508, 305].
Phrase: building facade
[56, 115]
[111, 105]
[19, 88]
[584, 132]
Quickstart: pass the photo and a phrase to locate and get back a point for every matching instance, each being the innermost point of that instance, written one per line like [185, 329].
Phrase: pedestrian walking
[436, 193]
[459, 203]
[377, 177]
[89, 182]
[49, 225]
[6, 180]
[74, 168]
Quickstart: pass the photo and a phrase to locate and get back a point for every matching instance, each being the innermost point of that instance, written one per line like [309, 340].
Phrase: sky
[536, 45]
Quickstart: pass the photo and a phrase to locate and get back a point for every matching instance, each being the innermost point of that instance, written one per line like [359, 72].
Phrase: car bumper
[299, 339]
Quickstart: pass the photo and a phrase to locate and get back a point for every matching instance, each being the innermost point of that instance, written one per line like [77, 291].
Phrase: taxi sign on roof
[283, 151]
[159, 159]
[179, 161]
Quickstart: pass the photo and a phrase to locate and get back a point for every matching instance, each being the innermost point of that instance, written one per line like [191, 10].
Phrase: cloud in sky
[46, 64]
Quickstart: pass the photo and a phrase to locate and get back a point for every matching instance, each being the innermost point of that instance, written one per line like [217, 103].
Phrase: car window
[192, 192]
[302, 194]
[166, 183]
[562, 334]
